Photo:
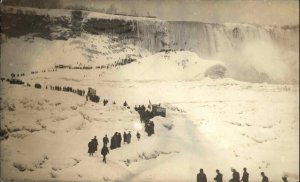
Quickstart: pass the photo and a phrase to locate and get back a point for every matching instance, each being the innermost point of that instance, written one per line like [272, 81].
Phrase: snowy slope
[36, 54]
[174, 65]
[210, 124]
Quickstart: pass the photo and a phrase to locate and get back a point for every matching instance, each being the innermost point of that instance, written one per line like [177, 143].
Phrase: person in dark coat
[235, 176]
[125, 137]
[245, 177]
[264, 177]
[105, 140]
[151, 127]
[125, 104]
[113, 142]
[95, 143]
[129, 137]
[138, 135]
[91, 146]
[201, 177]
[104, 152]
[119, 139]
[147, 129]
[284, 178]
[219, 177]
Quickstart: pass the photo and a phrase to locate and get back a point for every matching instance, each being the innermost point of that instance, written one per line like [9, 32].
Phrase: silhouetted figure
[104, 152]
[129, 137]
[219, 177]
[119, 139]
[105, 140]
[147, 125]
[284, 179]
[96, 143]
[245, 177]
[113, 142]
[151, 127]
[125, 137]
[125, 104]
[235, 176]
[105, 102]
[138, 135]
[91, 146]
[264, 177]
[201, 177]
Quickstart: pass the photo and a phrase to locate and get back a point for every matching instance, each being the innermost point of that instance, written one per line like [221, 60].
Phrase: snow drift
[172, 65]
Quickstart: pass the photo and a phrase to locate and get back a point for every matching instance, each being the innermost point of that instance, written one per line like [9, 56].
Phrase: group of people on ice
[115, 142]
[145, 113]
[201, 176]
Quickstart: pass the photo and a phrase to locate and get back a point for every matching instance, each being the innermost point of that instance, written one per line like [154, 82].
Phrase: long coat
[91, 147]
[105, 140]
[128, 138]
[104, 151]
[219, 177]
[95, 144]
[125, 137]
[245, 177]
[201, 177]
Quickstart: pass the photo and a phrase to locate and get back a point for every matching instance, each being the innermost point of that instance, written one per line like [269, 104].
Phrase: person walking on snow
[119, 137]
[138, 135]
[104, 152]
[264, 177]
[284, 179]
[129, 137]
[201, 177]
[235, 176]
[91, 146]
[245, 177]
[105, 140]
[125, 137]
[95, 143]
[219, 177]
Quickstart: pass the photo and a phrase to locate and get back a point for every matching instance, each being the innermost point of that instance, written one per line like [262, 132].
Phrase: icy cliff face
[211, 39]
[252, 53]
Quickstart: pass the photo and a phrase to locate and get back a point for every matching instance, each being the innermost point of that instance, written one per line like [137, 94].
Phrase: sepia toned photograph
[149, 91]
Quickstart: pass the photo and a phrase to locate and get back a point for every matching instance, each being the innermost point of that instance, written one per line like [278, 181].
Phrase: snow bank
[212, 119]
[87, 50]
[174, 65]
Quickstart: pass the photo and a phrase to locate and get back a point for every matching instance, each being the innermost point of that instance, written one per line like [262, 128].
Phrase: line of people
[115, 142]
[80, 92]
[201, 176]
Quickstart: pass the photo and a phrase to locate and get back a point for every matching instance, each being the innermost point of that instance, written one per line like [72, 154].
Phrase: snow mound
[172, 65]
[86, 50]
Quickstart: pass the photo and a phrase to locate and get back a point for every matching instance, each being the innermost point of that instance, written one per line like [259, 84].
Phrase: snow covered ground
[210, 124]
